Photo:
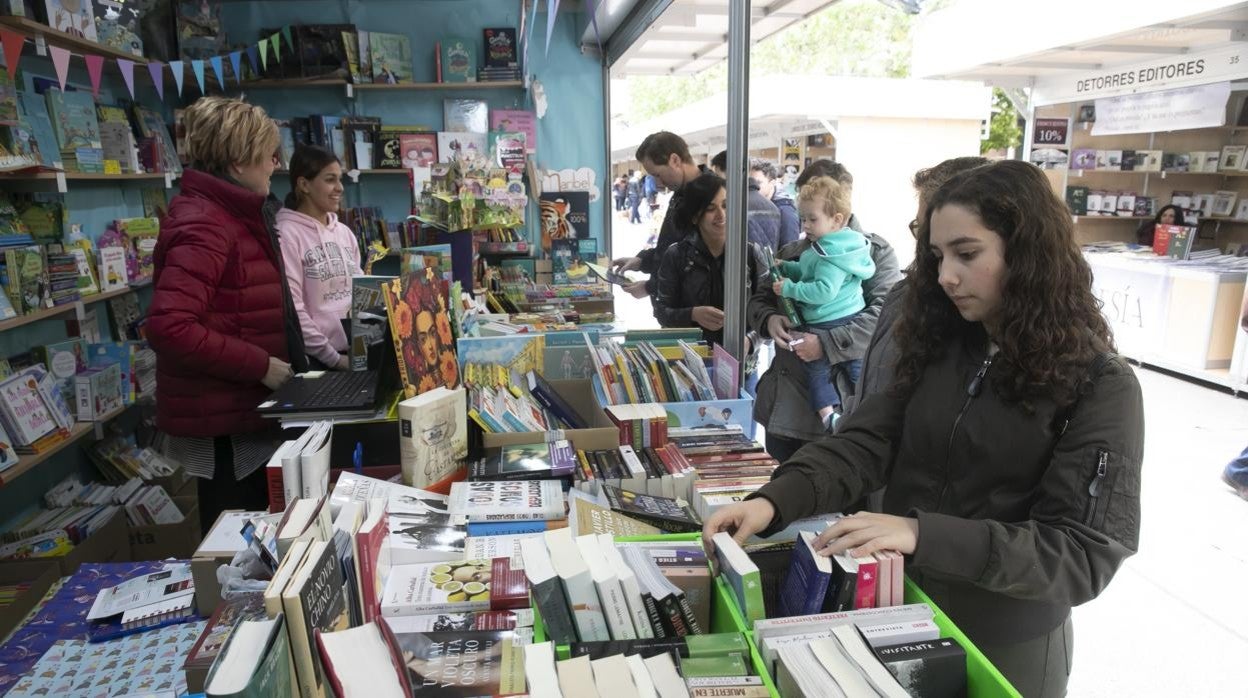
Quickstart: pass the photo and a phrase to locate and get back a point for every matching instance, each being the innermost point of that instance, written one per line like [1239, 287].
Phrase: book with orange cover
[421, 326]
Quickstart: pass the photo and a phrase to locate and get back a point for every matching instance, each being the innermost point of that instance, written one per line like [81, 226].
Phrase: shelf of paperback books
[63, 309]
[62, 40]
[351, 88]
[983, 680]
[79, 431]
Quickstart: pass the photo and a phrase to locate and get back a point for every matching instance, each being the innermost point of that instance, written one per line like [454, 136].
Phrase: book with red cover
[864, 591]
[509, 588]
[745, 456]
[372, 558]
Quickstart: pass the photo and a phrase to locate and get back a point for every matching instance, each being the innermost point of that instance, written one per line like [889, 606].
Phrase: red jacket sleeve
[192, 268]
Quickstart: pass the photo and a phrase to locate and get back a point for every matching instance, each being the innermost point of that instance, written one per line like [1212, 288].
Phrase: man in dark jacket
[664, 155]
[762, 218]
[764, 174]
[782, 406]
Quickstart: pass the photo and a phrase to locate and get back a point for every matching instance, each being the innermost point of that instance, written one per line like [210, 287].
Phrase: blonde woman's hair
[222, 131]
[833, 194]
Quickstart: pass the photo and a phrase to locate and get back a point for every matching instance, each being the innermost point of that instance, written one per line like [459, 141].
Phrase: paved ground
[1170, 623]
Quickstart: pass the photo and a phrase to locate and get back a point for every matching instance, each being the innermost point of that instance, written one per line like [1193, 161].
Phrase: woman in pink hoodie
[320, 253]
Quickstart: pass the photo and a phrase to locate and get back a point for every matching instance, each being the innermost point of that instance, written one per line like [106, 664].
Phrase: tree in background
[860, 38]
[1003, 130]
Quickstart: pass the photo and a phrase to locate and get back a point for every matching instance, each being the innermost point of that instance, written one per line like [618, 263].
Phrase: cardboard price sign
[1051, 132]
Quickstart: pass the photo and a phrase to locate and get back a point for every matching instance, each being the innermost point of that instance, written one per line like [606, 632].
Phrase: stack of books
[709, 665]
[53, 532]
[33, 412]
[641, 373]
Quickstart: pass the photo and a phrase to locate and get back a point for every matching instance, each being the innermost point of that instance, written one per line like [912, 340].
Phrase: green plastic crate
[983, 679]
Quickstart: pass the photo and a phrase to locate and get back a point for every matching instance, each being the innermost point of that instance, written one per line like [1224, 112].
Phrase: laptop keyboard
[332, 393]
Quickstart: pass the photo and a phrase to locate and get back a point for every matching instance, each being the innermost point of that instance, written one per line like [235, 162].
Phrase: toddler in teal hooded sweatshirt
[826, 281]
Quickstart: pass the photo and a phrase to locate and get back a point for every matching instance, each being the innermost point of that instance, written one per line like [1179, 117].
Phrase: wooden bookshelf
[101, 297]
[32, 28]
[36, 316]
[287, 83]
[421, 86]
[80, 430]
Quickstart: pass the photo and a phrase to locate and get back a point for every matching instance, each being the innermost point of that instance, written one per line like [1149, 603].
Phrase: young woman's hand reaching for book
[864, 533]
[741, 520]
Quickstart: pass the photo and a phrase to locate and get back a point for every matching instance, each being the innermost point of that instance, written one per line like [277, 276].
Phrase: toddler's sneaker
[1240, 490]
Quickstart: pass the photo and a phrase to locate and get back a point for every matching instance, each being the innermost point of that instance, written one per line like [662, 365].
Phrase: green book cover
[272, 675]
[391, 58]
[459, 59]
[732, 664]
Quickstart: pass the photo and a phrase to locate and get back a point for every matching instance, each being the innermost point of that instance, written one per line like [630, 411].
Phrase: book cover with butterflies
[565, 215]
[420, 323]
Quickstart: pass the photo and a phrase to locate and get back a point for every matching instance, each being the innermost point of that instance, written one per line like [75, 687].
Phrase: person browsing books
[1010, 443]
[782, 406]
[691, 277]
[221, 321]
[320, 253]
[666, 156]
[826, 282]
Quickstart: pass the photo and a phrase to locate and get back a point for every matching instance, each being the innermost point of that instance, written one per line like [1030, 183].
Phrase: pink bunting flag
[12, 50]
[178, 68]
[127, 74]
[60, 60]
[95, 68]
[157, 71]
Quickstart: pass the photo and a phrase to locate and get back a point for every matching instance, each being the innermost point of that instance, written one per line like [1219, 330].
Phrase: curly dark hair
[1052, 328]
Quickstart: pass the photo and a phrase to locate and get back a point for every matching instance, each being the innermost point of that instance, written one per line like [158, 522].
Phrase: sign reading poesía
[1230, 63]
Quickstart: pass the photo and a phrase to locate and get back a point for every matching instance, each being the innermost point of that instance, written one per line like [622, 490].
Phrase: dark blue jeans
[819, 383]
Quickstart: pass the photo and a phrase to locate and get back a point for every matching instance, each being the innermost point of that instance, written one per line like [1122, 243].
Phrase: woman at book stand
[999, 334]
[222, 321]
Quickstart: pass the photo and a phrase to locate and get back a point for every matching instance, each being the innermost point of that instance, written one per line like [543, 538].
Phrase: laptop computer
[338, 393]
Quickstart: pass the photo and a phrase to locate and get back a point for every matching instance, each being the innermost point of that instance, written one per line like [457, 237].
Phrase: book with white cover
[292, 466]
[641, 677]
[400, 499]
[512, 500]
[768, 627]
[899, 633]
[539, 671]
[667, 682]
[800, 673]
[614, 607]
[578, 585]
[841, 667]
[628, 584]
[857, 650]
[361, 662]
[314, 461]
[576, 677]
[613, 677]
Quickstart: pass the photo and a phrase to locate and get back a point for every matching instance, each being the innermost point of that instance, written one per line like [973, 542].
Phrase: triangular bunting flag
[127, 74]
[60, 60]
[178, 68]
[157, 71]
[198, 68]
[236, 62]
[12, 50]
[219, 70]
[253, 57]
[276, 41]
[95, 68]
[528, 37]
[552, 11]
[264, 53]
[286, 35]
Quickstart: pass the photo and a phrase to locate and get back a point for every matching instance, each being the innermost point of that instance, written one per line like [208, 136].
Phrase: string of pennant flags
[257, 56]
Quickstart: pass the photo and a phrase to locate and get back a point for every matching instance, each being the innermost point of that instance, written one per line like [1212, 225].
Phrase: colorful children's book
[391, 57]
[199, 29]
[418, 149]
[459, 59]
[462, 146]
[73, 17]
[33, 111]
[568, 257]
[471, 115]
[513, 120]
[117, 24]
[500, 47]
[77, 129]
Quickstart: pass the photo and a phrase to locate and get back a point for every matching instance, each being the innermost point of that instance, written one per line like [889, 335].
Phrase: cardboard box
[204, 564]
[177, 483]
[109, 543]
[40, 574]
[707, 412]
[162, 541]
[601, 434]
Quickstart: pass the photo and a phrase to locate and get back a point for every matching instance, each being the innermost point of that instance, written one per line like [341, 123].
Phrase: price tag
[61, 188]
[112, 167]
[350, 91]
[1051, 132]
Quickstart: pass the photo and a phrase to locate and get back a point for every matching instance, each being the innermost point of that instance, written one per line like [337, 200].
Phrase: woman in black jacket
[1010, 444]
[690, 291]
[1168, 215]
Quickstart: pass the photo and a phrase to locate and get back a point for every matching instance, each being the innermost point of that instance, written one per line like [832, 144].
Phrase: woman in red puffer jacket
[221, 320]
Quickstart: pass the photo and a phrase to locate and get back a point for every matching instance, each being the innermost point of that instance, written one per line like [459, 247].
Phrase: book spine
[673, 618]
[686, 612]
[655, 617]
[549, 598]
[864, 591]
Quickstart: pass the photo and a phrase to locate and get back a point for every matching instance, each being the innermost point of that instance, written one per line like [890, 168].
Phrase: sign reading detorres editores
[1230, 63]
